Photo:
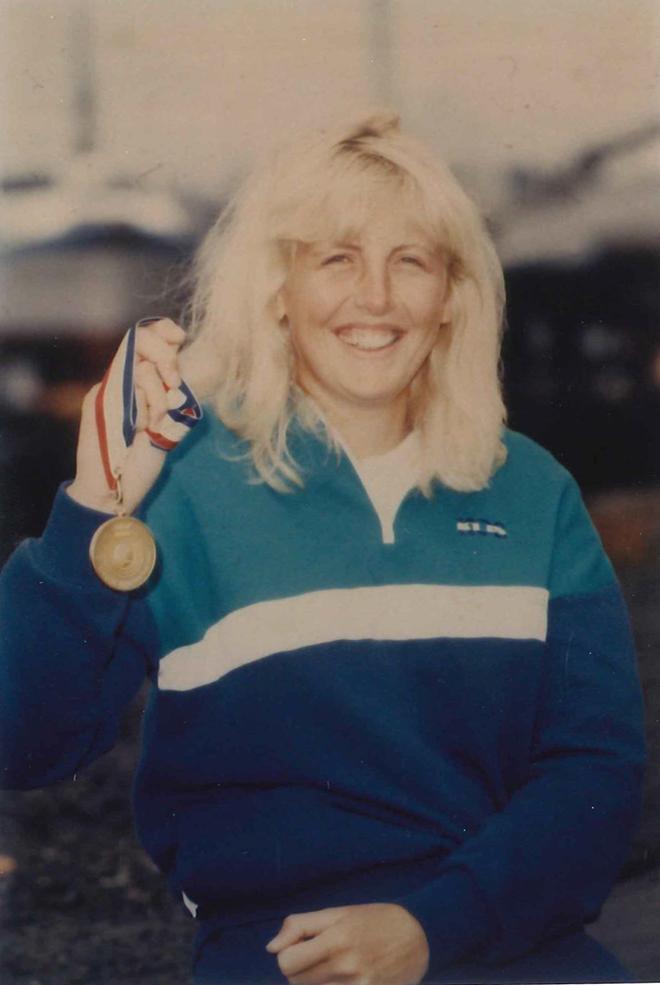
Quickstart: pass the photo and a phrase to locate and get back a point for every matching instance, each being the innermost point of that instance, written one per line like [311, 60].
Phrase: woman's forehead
[393, 229]
[351, 219]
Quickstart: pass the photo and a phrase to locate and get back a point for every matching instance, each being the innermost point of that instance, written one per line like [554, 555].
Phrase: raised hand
[368, 944]
[157, 348]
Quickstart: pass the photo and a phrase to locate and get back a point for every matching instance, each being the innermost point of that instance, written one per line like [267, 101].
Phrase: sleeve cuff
[63, 550]
[452, 915]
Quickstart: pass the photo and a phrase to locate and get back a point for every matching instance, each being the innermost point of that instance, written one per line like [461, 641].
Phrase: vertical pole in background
[82, 68]
[380, 51]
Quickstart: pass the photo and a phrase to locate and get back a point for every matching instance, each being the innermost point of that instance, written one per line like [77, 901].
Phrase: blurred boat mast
[380, 51]
[84, 83]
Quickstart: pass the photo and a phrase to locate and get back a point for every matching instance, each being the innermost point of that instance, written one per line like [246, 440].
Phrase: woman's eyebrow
[422, 247]
[334, 244]
[321, 247]
[338, 244]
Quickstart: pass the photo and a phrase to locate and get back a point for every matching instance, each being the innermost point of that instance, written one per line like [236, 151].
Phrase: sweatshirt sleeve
[73, 652]
[546, 862]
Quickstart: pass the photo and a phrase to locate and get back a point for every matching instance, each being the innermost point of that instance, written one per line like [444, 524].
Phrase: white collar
[388, 478]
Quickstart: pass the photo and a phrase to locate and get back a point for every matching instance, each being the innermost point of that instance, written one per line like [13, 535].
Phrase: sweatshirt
[446, 715]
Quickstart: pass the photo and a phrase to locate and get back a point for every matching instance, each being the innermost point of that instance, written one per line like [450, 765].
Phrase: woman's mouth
[368, 338]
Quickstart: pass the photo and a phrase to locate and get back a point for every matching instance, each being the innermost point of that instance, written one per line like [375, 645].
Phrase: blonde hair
[319, 189]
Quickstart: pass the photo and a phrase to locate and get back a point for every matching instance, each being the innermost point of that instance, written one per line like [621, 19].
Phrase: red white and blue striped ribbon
[116, 411]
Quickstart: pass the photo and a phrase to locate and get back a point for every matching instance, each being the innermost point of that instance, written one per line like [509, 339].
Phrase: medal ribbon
[116, 410]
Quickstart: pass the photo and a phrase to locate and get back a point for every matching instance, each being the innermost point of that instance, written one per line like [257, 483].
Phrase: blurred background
[124, 127]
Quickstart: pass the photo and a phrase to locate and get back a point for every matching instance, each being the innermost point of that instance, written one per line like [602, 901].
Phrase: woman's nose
[372, 291]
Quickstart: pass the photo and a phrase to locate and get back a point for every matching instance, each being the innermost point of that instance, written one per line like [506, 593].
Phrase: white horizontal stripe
[385, 612]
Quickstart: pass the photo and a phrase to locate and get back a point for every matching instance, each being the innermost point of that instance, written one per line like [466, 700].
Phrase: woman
[396, 735]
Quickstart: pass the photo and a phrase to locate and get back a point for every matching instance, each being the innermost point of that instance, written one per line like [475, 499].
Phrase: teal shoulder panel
[579, 565]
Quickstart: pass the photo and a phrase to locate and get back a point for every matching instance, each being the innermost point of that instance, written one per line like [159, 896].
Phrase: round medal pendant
[123, 553]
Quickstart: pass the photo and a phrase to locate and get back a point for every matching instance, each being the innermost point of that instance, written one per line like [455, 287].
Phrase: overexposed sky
[189, 90]
[528, 78]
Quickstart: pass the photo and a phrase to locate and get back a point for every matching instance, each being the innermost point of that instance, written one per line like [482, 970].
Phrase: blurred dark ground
[81, 903]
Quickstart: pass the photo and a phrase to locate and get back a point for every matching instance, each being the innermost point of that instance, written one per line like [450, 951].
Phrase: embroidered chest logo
[488, 527]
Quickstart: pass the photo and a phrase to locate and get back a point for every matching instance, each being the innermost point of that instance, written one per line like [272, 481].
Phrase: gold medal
[123, 553]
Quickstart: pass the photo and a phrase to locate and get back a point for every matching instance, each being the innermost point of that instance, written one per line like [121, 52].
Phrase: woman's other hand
[369, 944]
[157, 348]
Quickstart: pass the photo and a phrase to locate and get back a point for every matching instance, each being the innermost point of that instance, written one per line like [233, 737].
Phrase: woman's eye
[335, 258]
[415, 261]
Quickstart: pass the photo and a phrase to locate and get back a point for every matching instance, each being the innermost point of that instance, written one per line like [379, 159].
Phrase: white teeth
[368, 338]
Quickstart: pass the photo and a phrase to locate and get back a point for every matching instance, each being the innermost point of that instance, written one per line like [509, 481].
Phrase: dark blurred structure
[579, 353]
[581, 247]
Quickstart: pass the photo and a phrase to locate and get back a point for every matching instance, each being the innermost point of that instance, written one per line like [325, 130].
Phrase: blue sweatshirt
[451, 722]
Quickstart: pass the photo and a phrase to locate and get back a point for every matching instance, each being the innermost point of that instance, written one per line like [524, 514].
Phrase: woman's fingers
[142, 421]
[159, 344]
[150, 393]
[156, 348]
[165, 328]
[303, 956]
[300, 926]
[326, 973]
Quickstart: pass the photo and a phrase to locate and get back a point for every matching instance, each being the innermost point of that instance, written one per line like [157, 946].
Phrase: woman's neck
[369, 430]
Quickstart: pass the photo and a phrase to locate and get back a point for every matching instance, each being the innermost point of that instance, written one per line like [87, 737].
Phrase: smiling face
[365, 311]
